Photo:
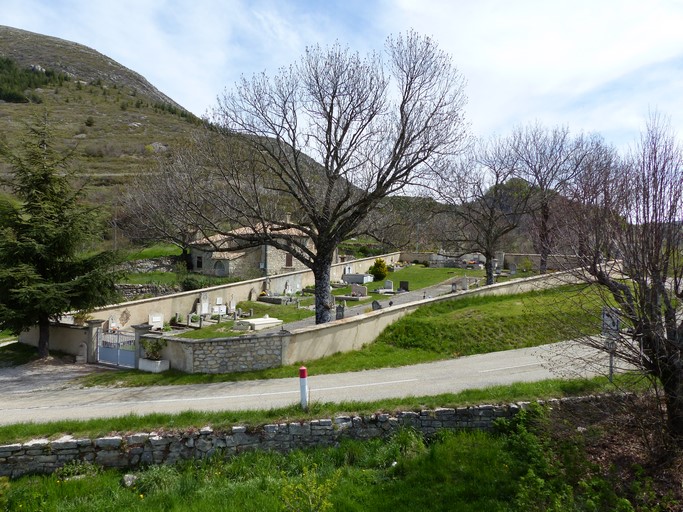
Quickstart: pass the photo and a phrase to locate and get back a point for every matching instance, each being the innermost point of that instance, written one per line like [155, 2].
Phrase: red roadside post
[303, 386]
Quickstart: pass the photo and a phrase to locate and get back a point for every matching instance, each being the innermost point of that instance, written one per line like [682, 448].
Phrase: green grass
[15, 354]
[355, 476]
[552, 388]
[517, 468]
[154, 251]
[6, 335]
[477, 325]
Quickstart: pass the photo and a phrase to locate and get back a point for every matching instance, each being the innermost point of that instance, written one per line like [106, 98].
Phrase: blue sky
[592, 65]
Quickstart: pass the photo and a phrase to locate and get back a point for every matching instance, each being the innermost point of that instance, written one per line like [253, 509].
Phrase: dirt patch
[625, 441]
[52, 373]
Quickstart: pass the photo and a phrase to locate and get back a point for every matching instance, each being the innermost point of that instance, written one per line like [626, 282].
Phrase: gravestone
[358, 290]
[389, 285]
[232, 305]
[404, 285]
[513, 269]
[204, 304]
[219, 310]
[454, 287]
[464, 283]
[376, 305]
[156, 321]
[113, 324]
[340, 312]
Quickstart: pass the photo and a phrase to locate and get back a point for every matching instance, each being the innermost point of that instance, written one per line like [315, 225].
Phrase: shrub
[153, 347]
[89, 121]
[379, 269]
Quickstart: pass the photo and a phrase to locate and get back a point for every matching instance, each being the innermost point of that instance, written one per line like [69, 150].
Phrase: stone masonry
[141, 449]
[235, 354]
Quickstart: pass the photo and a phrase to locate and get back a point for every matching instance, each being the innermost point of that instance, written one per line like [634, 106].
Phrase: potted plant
[152, 362]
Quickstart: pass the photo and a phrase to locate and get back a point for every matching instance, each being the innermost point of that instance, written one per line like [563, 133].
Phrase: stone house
[222, 255]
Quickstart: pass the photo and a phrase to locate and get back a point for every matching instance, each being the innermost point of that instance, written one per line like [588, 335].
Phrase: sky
[590, 65]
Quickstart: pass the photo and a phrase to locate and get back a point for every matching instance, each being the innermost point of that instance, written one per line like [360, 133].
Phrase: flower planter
[153, 365]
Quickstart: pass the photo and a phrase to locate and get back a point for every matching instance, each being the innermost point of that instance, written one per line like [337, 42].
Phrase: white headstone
[113, 324]
[156, 320]
[204, 303]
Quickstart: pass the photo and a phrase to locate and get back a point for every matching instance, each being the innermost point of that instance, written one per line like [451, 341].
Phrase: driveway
[41, 392]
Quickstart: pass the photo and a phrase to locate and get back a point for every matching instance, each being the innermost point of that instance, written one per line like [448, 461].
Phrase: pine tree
[45, 228]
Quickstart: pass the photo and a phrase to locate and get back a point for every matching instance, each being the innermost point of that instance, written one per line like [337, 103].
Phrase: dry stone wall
[141, 449]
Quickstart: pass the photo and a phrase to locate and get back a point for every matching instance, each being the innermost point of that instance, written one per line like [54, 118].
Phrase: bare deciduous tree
[628, 231]
[326, 140]
[487, 200]
[163, 205]
[548, 160]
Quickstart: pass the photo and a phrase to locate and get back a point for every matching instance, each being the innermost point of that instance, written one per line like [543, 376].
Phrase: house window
[199, 262]
[289, 262]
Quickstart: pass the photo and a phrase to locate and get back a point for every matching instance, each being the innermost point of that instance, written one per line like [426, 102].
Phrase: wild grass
[150, 252]
[15, 354]
[514, 468]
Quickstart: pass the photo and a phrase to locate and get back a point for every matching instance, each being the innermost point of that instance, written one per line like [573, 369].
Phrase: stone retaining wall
[236, 354]
[140, 449]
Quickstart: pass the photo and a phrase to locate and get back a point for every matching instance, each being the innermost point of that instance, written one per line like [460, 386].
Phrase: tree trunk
[544, 239]
[323, 296]
[43, 337]
[674, 410]
[187, 258]
[488, 266]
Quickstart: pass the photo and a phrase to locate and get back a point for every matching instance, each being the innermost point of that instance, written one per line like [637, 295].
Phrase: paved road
[60, 401]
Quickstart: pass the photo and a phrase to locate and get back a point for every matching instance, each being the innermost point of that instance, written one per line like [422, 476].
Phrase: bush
[379, 269]
[192, 282]
[153, 347]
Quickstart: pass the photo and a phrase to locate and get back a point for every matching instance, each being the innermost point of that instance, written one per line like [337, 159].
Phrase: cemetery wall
[555, 261]
[142, 449]
[127, 314]
[318, 341]
[223, 355]
[63, 338]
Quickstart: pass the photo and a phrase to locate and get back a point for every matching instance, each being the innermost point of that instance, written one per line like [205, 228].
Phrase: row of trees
[619, 216]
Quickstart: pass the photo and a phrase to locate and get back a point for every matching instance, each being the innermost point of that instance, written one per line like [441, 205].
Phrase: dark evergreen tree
[45, 230]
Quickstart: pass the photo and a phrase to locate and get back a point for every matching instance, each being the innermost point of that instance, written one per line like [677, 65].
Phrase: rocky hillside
[114, 120]
[77, 61]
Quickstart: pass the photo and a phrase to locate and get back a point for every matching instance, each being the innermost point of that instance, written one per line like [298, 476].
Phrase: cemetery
[216, 329]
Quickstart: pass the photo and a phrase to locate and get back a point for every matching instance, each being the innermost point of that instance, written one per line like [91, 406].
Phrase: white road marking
[508, 368]
[204, 398]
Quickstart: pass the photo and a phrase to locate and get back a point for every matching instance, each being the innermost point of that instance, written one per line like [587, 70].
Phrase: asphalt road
[56, 400]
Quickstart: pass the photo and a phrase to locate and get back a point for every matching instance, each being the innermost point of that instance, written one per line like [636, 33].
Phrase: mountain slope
[79, 62]
[115, 121]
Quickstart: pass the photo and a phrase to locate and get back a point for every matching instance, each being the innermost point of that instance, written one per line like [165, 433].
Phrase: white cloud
[589, 65]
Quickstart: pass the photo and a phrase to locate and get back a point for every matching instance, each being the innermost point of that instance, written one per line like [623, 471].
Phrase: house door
[219, 269]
